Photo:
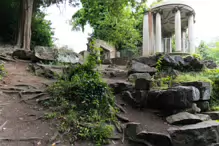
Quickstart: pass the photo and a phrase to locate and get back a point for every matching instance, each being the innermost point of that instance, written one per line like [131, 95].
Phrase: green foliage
[198, 56]
[191, 77]
[84, 102]
[113, 21]
[156, 2]
[10, 12]
[3, 72]
[159, 63]
[42, 32]
[208, 75]
[208, 53]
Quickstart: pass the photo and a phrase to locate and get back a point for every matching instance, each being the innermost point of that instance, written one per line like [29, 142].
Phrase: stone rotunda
[168, 19]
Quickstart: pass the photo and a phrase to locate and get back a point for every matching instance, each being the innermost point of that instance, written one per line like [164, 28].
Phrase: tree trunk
[28, 11]
[21, 25]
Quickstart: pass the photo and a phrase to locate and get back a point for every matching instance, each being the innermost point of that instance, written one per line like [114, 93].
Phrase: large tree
[119, 22]
[96, 10]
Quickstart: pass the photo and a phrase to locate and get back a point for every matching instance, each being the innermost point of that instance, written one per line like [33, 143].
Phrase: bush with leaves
[84, 103]
[209, 53]
[42, 32]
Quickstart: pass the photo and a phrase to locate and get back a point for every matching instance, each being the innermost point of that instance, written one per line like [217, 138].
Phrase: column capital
[175, 9]
[190, 13]
[158, 11]
[146, 11]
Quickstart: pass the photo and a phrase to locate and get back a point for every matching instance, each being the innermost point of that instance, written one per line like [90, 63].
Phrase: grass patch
[191, 77]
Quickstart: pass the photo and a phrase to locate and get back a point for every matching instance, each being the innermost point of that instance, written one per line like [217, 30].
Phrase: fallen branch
[33, 97]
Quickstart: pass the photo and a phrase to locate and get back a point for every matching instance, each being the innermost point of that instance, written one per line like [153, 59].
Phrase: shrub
[85, 103]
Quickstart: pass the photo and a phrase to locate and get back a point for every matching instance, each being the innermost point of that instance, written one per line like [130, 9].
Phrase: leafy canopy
[118, 22]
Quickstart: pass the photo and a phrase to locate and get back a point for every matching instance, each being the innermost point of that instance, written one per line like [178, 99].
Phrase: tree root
[43, 99]
[21, 139]
[120, 108]
[6, 59]
[29, 86]
[38, 118]
[33, 97]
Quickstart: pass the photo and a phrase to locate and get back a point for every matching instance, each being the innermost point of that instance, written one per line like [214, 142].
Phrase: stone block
[203, 87]
[143, 84]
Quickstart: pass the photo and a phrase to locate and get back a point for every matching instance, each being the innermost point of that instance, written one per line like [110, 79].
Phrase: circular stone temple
[166, 20]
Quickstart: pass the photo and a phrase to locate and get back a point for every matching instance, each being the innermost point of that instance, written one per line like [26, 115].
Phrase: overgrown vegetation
[3, 72]
[122, 27]
[209, 53]
[84, 103]
[42, 32]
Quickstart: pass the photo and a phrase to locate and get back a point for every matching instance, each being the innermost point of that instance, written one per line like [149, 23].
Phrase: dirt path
[22, 128]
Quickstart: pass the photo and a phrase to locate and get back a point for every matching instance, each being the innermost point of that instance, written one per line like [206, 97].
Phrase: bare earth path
[21, 123]
[22, 127]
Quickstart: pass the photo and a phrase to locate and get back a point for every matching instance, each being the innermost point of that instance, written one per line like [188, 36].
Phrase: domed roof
[173, 3]
[168, 16]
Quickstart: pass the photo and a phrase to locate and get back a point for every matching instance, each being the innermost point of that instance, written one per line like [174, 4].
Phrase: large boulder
[22, 54]
[120, 86]
[140, 98]
[210, 64]
[155, 139]
[137, 67]
[136, 98]
[136, 76]
[175, 98]
[203, 105]
[114, 72]
[42, 53]
[46, 71]
[143, 84]
[192, 63]
[150, 61]
[128, 98]
[47, 54]
[169, 61]
[203, 87]
[180, 63]
[132, 129]
[183, 118]
[201, 134]
[67, 56]
[213, 114]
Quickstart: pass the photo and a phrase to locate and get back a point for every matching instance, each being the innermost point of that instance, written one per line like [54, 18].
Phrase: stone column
[169, 45]
[178, 30]
[183, 41]
[118, 54]
[146, 46]
[158, 33]
[191, 33]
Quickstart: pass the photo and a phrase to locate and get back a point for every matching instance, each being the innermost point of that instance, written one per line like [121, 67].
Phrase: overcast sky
[206, 27]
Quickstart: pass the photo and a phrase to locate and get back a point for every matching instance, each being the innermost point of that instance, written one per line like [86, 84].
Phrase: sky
[206, 26]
